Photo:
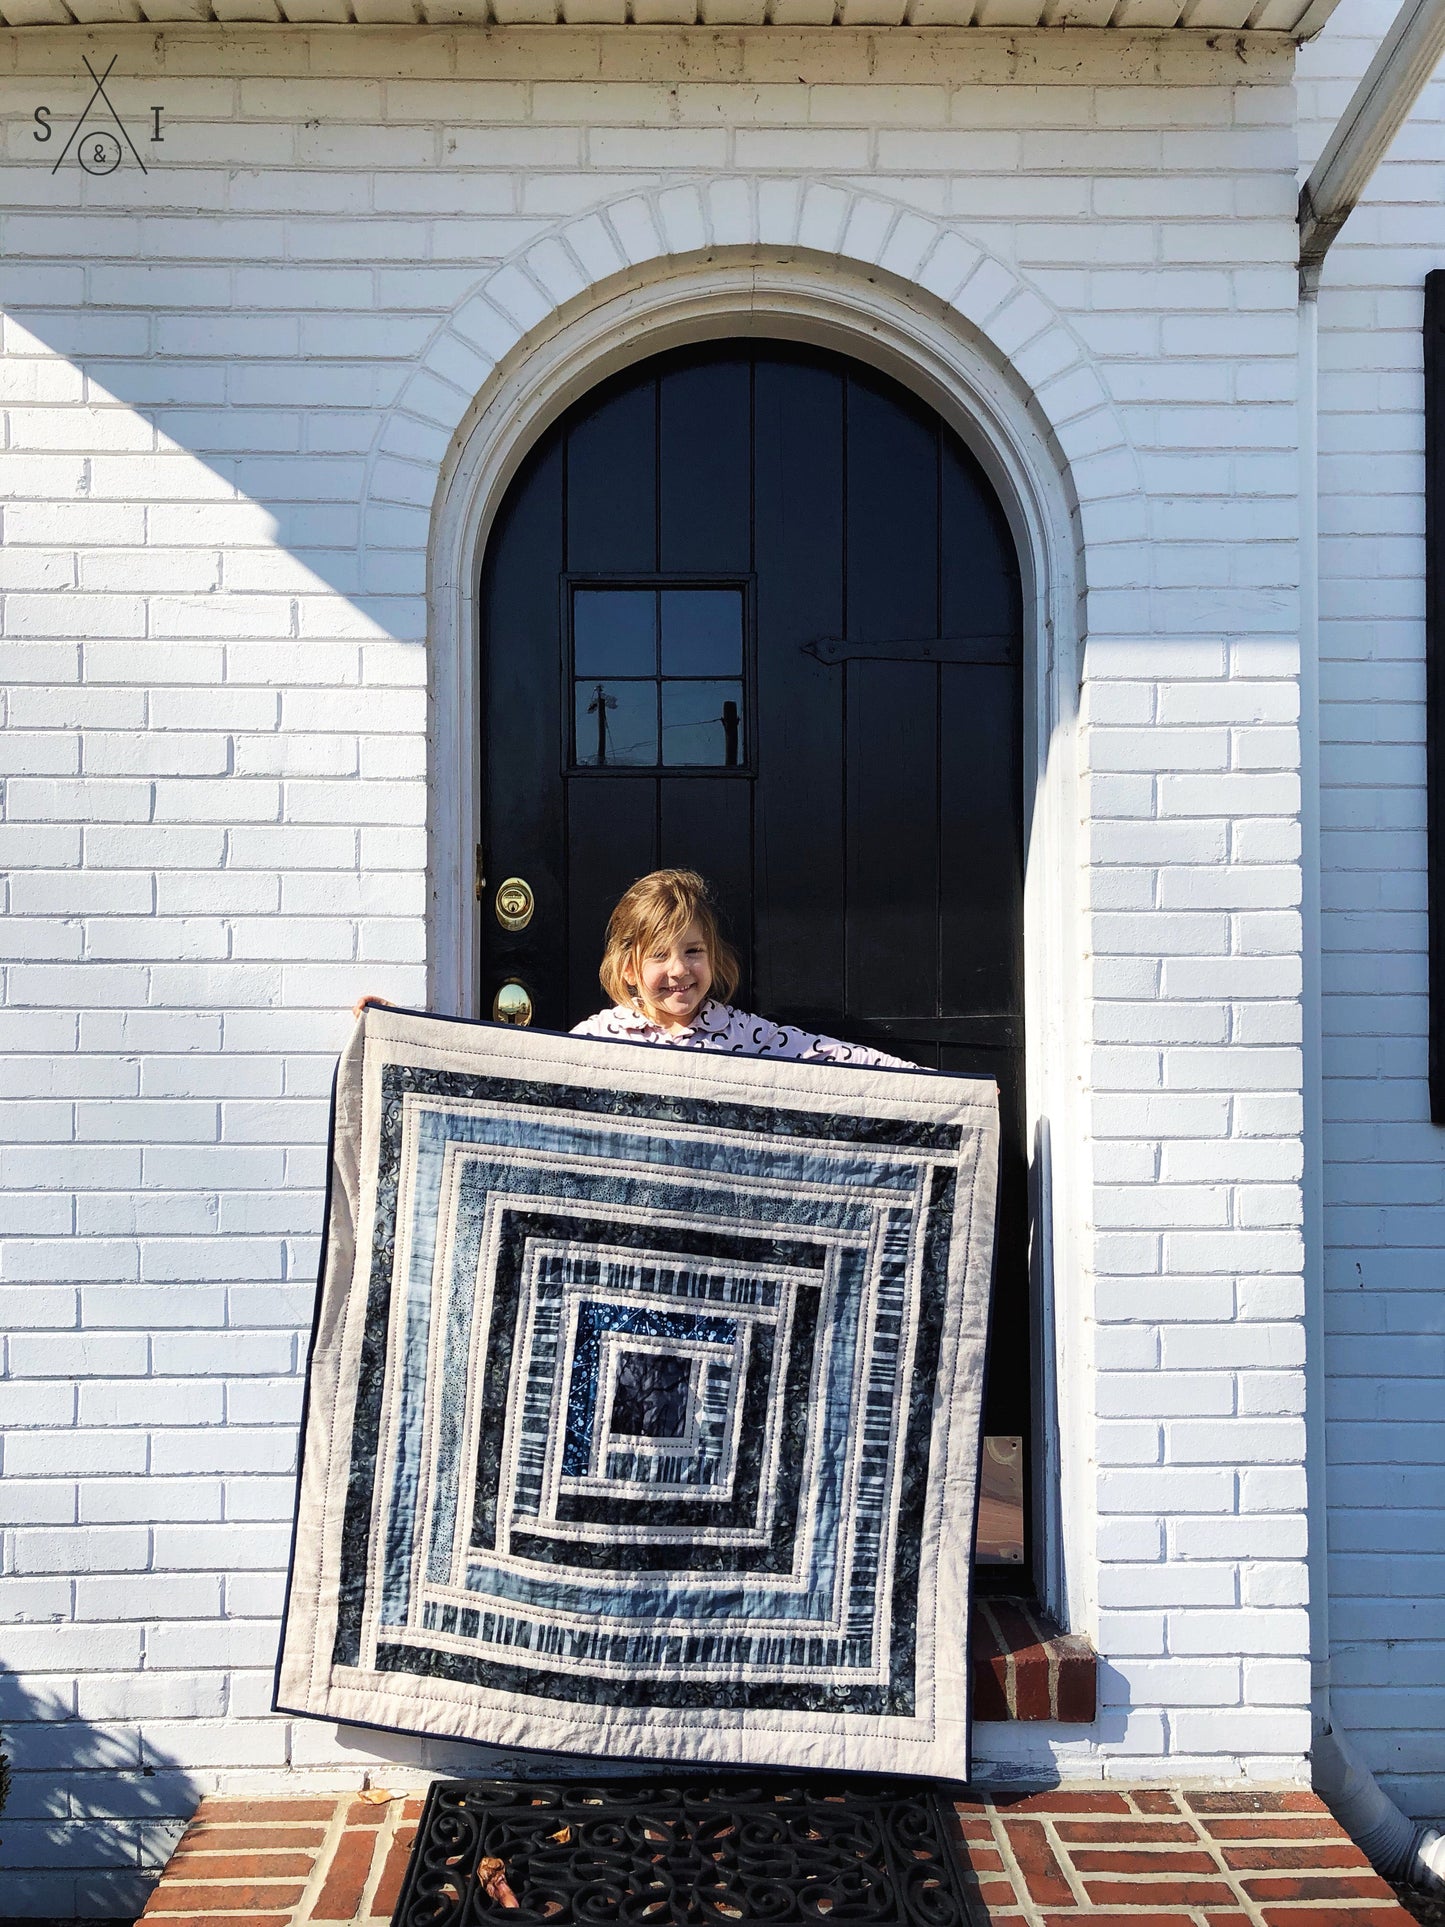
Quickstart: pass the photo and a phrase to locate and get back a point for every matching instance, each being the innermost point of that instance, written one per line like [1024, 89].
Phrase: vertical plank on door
[612, 480]
[705, 447]
[892, 723]
[1007, 1388]
[611, 841]
[980, 855]
[892, 482]
[798, 492]
[705, 823]
[892, 919]
[522, 825]
[979, 571]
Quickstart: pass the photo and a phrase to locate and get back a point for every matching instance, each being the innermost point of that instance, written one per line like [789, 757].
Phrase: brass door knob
[514, 903]
[512, 1003]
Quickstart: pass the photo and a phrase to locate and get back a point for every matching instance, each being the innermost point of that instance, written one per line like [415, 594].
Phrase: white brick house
[262, 402]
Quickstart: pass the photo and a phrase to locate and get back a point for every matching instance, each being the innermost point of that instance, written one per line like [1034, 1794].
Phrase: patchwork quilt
[644, 1401]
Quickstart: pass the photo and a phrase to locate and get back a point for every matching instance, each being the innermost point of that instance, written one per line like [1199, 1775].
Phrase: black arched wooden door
[754, 609]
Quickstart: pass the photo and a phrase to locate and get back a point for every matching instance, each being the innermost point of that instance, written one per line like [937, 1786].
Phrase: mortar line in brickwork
[1031, 1912]
[1251, 1907]
[1066, 1865]
[325, 1854]
[1051, 1656]
[1047, 1644]
[1005, 1647]
[381, 1854]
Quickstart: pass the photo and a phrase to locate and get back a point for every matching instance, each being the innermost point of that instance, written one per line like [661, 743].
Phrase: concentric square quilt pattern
[644, 1401]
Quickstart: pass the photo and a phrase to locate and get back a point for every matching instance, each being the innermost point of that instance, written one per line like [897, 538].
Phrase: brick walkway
[1132, 1857]
[1101, 1859]
[279, 1863]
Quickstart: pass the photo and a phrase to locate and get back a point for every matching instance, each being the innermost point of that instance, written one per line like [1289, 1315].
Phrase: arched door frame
[906, 334]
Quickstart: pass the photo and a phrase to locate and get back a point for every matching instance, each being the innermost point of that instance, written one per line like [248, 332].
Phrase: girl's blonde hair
[657, 908]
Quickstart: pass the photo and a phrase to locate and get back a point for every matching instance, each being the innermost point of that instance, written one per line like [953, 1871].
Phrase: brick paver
[1075, 1857]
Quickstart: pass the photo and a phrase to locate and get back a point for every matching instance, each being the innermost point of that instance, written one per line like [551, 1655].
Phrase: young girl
[664, 958]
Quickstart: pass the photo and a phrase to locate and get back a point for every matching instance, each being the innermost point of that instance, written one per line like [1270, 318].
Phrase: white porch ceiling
[1298, 18]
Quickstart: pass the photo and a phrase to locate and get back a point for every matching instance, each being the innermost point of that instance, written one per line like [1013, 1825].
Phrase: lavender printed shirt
[722, 1027]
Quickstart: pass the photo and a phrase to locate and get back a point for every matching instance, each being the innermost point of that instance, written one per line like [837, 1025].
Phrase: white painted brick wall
[1385, 1169]
[214, 774]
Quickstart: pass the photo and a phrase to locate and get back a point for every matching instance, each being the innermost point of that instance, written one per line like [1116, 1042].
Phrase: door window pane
[614, 632]
[702, 722]
[616, 724]
[657, 677]
[702, 632]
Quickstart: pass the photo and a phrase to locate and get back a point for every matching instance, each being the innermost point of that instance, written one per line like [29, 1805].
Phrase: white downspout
[1406, 59]
[1378, 109]
[1313, 1011]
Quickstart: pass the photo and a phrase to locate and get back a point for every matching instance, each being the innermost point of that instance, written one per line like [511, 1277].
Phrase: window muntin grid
[659, 676]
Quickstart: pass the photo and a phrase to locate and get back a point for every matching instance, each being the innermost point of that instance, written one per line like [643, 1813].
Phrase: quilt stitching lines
[520, 1528]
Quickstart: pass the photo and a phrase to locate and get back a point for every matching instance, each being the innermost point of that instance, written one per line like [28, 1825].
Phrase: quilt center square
[652, 1396]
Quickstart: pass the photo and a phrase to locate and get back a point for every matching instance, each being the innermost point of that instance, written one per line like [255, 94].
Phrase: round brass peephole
[512, 1003]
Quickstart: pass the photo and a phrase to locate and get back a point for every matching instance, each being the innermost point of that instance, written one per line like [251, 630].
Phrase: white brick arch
[841, 231]
[847, 271]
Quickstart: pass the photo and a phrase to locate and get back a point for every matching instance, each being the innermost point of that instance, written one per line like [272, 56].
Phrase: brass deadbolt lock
[512, 1003]
[515, 903]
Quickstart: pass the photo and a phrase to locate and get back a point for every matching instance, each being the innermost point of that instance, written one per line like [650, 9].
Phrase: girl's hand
[381, 1003]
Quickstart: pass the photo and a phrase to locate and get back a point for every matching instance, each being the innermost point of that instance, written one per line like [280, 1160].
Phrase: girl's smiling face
[676, 977]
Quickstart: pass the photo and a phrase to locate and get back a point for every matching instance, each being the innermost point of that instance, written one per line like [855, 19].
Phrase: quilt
[644, 1401]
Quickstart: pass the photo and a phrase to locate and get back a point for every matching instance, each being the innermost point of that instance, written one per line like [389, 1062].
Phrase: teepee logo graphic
[99, 138]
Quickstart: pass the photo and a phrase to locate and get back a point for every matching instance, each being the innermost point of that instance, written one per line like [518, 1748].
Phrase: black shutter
[1435, 673]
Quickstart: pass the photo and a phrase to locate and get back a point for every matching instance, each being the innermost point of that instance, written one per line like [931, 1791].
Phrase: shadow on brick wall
[93, 1813]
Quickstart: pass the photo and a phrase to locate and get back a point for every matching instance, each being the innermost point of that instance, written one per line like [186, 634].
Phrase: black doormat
[729, 1849]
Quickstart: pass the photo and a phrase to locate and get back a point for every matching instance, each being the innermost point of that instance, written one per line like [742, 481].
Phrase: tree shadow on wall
[93, 1813]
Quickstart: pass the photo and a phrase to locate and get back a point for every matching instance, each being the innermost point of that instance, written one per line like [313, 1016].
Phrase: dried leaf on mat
[493, 1877]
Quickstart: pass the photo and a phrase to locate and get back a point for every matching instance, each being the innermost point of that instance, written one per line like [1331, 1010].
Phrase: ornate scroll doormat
[644, 1401]
[708, 1851]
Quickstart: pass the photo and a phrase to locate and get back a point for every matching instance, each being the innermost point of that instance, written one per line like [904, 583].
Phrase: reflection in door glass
[658, 677]
[614, 633]
[702, 722]
[616, 723]
[702, 632]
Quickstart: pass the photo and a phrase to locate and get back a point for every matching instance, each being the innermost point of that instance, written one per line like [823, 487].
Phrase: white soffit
[1298, 18]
